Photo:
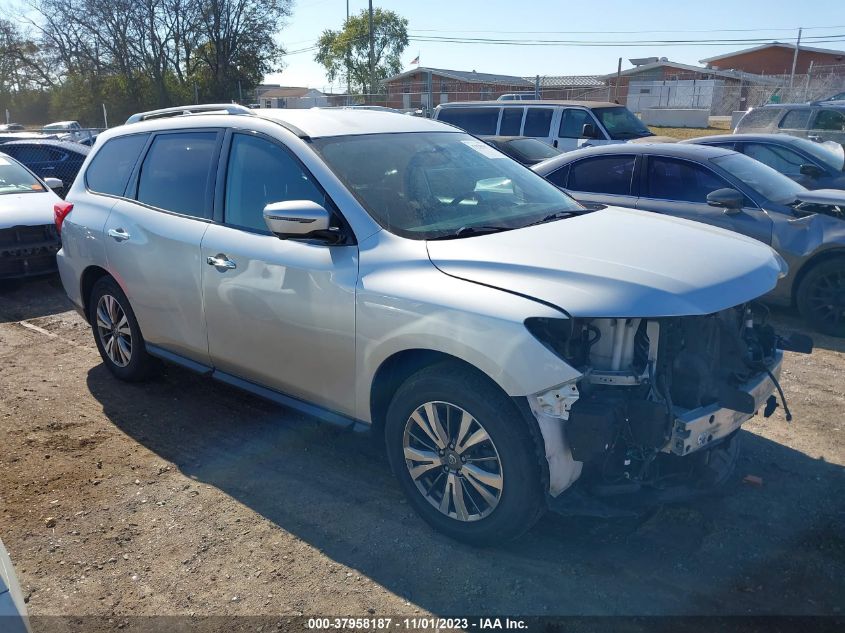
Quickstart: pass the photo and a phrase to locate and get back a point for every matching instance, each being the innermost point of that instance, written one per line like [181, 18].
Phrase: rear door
[796, 122]
[678, 187]
[283, 314]
[538, 123]
[153, 238]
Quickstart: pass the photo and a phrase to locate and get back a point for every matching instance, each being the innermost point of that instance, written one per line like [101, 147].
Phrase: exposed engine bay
[658, 396]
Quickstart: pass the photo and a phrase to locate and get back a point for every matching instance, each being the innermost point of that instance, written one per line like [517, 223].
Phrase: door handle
[119, 234]
[221, 261]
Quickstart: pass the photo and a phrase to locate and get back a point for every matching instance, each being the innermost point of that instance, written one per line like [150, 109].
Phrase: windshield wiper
[468, 231]
[557, 215]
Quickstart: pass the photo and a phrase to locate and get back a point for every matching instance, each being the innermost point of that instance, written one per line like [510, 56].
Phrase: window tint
[796, 120]
[572, 123]
[110, 168]
[29, 154]
[558, 177]
[761, 117]
[830, 120]
[261, 172]
[511, 122]
[473, 120]
[670, 179]
[606, 174]
[538, 122]
[176, 172]
[779, 158]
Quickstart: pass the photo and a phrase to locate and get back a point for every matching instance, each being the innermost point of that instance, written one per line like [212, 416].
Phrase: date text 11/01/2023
[417, 623]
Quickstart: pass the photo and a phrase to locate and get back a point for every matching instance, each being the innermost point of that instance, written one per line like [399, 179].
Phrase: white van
[566, 125]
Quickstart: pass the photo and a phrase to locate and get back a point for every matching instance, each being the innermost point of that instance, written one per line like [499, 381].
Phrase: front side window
[780, 158]
[832, 120]
[671, 179]
[111, 167]
[572, 123]
[796, 119]
[480, 121]
[538, 122]
[260, 172]
[14, 178]
[429, 185]
[176, 171]
[605, 174]
[763, 179]
[511, 122]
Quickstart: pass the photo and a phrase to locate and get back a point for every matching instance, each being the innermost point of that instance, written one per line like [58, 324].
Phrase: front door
[680, 188]
[282, 315]
[153, 242]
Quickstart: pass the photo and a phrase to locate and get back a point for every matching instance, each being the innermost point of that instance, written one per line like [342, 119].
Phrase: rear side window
[830, 120]
[473, 120]
[558, 177]
[176, 172]
[110, 168]
[511, 122]
[670, 179]
[605, 174]
[761, 117]
[796, 120]
[538, 122]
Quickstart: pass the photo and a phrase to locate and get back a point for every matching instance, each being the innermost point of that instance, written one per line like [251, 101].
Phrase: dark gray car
[809, 163]
[729, 190]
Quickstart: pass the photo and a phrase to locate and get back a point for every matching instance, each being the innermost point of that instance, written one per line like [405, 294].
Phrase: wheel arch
[815, 260]
[90, 276]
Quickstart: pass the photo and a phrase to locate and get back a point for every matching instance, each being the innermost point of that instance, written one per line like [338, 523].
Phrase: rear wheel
[463, 455]
[116, 332]
[821, 297]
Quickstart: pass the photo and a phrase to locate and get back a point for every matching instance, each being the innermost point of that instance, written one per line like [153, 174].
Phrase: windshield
[621, 123]
[769, 183]
[14, 178]
[439, 184]
[830, 153]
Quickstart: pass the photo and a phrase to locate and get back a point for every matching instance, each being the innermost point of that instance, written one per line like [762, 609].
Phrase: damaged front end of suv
[659, 400]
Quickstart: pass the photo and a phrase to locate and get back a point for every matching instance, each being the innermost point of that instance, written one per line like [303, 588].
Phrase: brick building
[429, 87]
[776, 59]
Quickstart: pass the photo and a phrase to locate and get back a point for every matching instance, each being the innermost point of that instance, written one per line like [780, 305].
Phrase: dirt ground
[183, 496]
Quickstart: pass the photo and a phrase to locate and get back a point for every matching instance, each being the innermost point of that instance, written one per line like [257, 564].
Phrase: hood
[822, 196]
[618, 263]
[27, 209]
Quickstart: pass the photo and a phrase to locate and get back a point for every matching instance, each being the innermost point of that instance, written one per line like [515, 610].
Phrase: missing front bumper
[699, 428]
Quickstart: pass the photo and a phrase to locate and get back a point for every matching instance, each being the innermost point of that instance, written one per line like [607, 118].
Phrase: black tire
[140, 363]
[821, 297]
[521, 499]
[718, 464]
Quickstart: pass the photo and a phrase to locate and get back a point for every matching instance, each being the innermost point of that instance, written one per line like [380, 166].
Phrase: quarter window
[110, 168]
[176, 171]
[538, 122]
[261, 172]
[606, 174]
[670, 179]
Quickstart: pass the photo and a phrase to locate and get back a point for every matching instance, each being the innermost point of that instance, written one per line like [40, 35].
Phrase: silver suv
[397, 273]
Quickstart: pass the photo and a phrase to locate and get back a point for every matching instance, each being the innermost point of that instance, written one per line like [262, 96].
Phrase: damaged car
[513, 348]
[733, 191]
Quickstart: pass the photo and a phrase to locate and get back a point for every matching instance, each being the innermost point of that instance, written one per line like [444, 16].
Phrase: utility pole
[348, 61]
[794, 62]
[618, 79]
[240, 92]
[372, 51]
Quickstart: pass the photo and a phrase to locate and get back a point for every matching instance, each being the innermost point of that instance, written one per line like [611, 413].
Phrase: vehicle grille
[28, 250]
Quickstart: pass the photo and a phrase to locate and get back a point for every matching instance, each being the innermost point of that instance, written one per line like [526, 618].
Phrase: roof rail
[206, 108]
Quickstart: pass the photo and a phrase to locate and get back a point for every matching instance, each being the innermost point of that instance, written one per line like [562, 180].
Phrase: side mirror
[808, 169]
[588, 131]
[54, 183]
[730, 199]
[296, 218]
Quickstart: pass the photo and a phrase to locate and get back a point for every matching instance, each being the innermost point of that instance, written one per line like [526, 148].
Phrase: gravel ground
[183, 496]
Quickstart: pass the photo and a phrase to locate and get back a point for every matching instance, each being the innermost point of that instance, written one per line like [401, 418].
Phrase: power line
[757, 30]
[820, 39]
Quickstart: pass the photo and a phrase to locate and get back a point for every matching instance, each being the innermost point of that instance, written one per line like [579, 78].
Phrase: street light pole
[372, 50]
[348, 61]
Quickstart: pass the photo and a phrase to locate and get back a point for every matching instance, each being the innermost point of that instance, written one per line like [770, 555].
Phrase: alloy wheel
[827, 299]
[453, 461]
[114, 331]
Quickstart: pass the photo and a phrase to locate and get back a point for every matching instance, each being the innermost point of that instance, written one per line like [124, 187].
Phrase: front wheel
[464, 456]
[821, 297]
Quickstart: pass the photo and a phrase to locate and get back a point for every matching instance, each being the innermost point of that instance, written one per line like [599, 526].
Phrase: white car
[13, 618]
[67, 131]
[28, 237]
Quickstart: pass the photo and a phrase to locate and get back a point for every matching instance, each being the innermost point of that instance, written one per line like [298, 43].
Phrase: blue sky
[775, 19]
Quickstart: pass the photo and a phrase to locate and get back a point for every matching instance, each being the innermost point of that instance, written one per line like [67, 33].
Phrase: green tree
[351, 45]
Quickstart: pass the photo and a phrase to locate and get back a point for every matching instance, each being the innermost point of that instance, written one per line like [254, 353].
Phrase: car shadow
[22, 299]
[773, 549]
[786, 319]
